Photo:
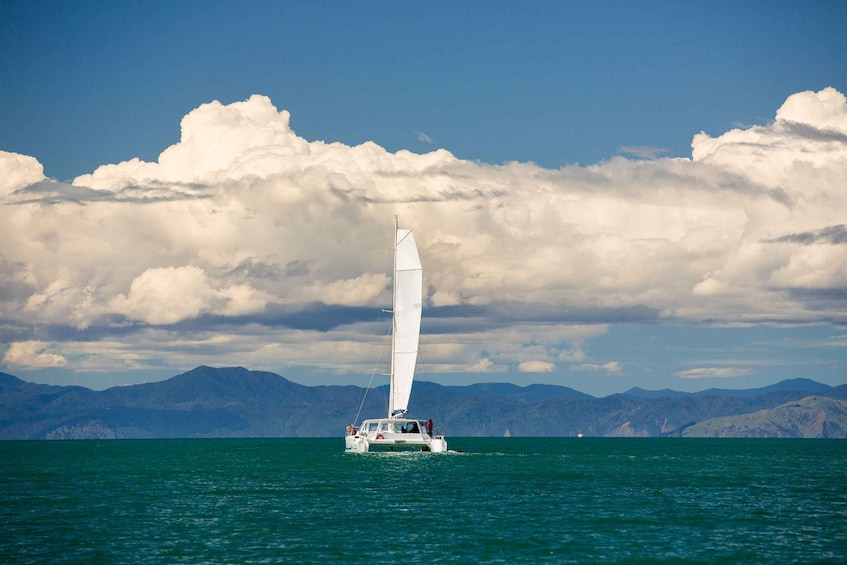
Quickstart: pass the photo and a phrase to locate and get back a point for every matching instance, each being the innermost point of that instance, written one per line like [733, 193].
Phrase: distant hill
[810, 417]
[236, 402]
[792, 385]
[640, 393]
[530, 393]
[802, 385]
[204, 402]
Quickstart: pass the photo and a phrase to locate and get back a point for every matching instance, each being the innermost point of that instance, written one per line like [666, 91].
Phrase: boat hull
[355, 444]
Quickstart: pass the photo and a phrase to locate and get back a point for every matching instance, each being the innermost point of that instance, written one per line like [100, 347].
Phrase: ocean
[499, 500]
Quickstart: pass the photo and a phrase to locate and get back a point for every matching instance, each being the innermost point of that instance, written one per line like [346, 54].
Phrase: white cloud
[18, 171]
[486, 366]
[822, 110]
[166, 295]
[245, 219]
[798, 153]
[485, 350]
[170, 295]
[423, 137]
[712, 372]
[350, 292]
[610, 368]
[241, 299]
[536, 367]
[33, 355]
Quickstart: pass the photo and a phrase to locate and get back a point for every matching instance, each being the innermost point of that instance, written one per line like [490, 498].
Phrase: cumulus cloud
[33, 355]
[536, 367]
[244, 222]
[165, 296]
[169, 295]
[19, 171]
[351, 292]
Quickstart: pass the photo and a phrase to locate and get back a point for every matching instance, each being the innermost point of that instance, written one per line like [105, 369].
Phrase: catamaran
[396, 432]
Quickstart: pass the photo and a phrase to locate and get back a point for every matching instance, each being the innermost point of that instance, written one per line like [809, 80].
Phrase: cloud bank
[247, 243]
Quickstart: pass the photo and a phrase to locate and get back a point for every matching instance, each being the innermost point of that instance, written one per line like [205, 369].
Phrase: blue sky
[553, 83]
[592, 248]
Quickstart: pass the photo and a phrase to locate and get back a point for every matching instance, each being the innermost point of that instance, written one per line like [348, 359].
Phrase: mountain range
[236, 402]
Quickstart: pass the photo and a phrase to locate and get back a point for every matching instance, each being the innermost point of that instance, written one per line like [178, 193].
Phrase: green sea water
[504, 500]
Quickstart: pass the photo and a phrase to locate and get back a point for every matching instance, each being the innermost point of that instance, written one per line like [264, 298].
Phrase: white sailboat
[396, 432]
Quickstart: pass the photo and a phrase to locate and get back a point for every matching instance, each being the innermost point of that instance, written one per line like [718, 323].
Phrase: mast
[393, 316]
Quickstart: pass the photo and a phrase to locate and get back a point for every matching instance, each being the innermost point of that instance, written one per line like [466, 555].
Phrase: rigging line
[422, 365]
[370, 382]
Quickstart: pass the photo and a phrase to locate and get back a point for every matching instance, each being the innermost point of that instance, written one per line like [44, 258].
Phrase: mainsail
[408, 295]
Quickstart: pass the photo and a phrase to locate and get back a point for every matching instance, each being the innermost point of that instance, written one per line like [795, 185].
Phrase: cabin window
[406, 428]
[372, 426]
[383, 427]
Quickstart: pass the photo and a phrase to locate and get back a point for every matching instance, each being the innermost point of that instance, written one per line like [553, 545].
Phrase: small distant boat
[396, 432]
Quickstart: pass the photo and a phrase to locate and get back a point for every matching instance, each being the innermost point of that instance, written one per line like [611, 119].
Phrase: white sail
[408, 295]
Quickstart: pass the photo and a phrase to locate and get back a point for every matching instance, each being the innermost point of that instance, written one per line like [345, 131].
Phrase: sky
[604, 194]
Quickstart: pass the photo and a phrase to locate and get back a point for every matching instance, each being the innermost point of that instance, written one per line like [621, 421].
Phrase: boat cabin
[392, 434]
[393, 428]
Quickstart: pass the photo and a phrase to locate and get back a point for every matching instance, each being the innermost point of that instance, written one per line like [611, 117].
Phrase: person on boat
[429, 427]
